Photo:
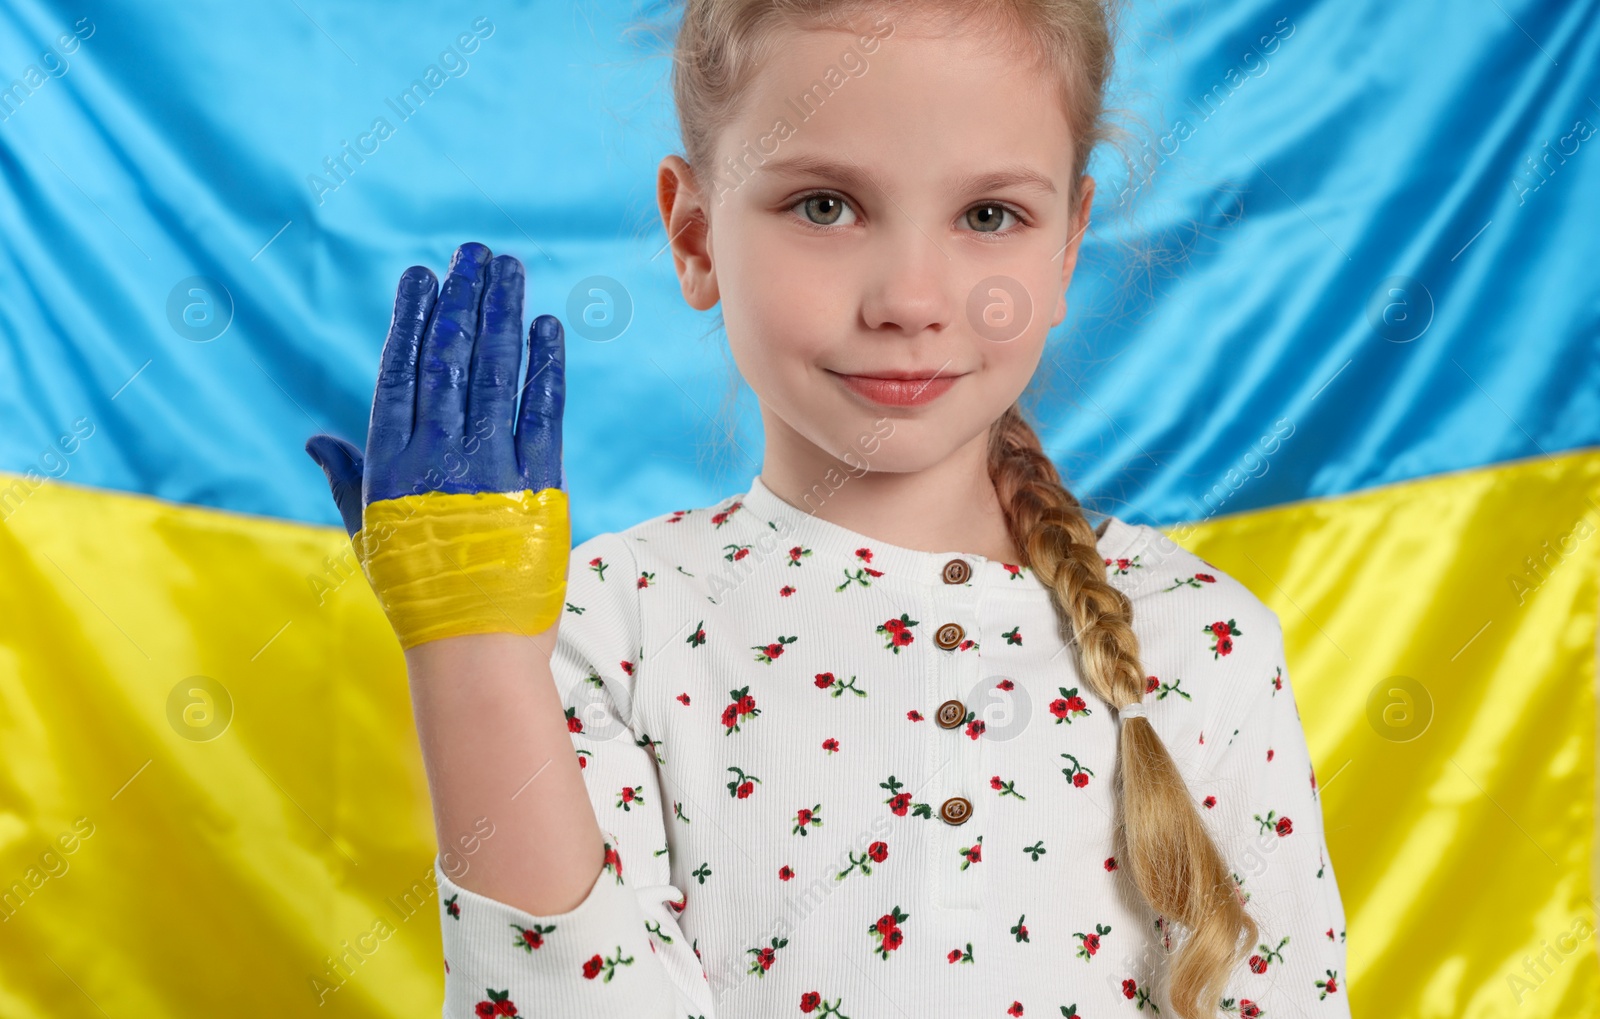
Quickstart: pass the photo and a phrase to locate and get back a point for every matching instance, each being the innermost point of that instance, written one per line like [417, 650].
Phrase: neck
[951, 505]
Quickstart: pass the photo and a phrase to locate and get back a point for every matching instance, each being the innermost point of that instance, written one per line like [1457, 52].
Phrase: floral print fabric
[843, 778]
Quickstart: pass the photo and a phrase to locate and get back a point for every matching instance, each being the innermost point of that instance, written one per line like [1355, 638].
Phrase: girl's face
[899, 212]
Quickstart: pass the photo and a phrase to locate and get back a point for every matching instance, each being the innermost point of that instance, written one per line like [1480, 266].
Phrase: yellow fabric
[1470, 848]
[449, 564]
[212, 711]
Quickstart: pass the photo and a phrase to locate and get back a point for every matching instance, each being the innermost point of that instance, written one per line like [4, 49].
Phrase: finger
[492, 390]
[444, 363]
[394, 401]
[543, 399]
[341, 463]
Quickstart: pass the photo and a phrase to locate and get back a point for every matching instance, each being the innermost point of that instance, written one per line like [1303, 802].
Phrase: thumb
[342, 464]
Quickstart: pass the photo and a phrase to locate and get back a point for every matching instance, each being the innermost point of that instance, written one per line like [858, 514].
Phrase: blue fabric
[1234, 357]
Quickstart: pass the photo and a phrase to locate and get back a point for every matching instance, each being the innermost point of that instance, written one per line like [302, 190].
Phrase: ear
[1080, 224]
[688, 226]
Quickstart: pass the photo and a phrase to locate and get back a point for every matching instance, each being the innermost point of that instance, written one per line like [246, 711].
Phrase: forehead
[925, 105]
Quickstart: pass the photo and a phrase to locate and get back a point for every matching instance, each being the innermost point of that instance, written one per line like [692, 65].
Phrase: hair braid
[1170, 855]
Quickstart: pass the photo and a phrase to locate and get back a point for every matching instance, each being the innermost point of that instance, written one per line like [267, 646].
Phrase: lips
[899, 389]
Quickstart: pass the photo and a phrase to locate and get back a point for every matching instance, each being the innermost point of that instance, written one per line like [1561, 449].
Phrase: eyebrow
[853, 176]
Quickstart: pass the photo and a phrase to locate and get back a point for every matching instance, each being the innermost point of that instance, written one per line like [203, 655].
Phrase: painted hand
[458, 510]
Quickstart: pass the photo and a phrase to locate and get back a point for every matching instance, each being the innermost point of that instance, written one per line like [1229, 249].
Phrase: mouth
[899, 389]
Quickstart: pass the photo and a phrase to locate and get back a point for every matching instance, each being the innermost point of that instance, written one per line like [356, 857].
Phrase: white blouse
[843, 778]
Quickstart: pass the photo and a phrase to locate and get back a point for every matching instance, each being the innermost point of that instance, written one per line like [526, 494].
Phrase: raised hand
[458, 507]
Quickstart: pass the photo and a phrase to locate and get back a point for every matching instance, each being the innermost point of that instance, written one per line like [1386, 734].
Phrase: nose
[907, 285]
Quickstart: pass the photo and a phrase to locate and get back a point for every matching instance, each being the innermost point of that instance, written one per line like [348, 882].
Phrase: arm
[619, 951]
[490, 719]
[458, 513]
[1268, 820]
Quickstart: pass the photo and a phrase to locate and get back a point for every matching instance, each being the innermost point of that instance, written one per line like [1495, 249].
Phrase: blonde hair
[1168, 853]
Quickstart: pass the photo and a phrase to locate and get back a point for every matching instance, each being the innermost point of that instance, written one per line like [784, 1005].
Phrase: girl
[895, 731]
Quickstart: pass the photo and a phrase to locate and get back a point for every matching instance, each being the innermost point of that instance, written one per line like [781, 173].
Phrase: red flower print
[830, 744]
[879, 851]
[899, 631]
[738, 552]
[1013, 635]
[1269, 753]
[742, 785]
[1205, 577]
[1258, 964]
[864, 554]
[532, 937]
[1150, 684]
[1111, 863]
[805, 820]
[698, 637]
[809, 1001]
[828, 681]
[1222, 634]
[972, 854]
[995, 783]
[718, 519]
[1248, 1009]
[887, 931]
[453, 907]
[1006, 684]
[976, 727]
[1280, 825]
[1015, 571]
[1089, 944]
[899, 801]
[786, 590]
[743, 708]
[499, 1003]
[1077, 774]
[768, 653]
[785, 872]
[1209, 802]
[1330, 985]
[1128, 987]
[574, 723]
[796, 554]
[955, 955]
[683, 699]
[914, 715]
[1015, 1009]
[1069, 706]
[597, 963]
[613, 862]
[765, 957]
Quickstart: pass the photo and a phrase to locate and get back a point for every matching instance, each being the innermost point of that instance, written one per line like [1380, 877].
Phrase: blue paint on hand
[446, 415]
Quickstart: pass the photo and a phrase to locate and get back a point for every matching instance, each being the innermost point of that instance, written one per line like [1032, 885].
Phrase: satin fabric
[264, 855]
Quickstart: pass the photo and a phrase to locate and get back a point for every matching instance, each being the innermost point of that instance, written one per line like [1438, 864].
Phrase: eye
[987, 218]
[823, 209]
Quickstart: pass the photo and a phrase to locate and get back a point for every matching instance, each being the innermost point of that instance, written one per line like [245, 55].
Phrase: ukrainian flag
[1335, 329]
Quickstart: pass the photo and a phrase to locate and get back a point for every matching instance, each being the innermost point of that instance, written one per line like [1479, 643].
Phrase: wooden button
[951, 714]
[956, 571]
[956, 810]
[949, 635]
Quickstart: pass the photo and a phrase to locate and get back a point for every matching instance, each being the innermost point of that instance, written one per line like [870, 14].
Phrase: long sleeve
[1260, 796]
[620, 951]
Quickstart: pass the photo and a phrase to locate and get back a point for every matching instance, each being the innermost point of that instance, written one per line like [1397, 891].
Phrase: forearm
[495, 744]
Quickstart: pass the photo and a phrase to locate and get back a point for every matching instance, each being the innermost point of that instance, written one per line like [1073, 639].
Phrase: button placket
[955, 794]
